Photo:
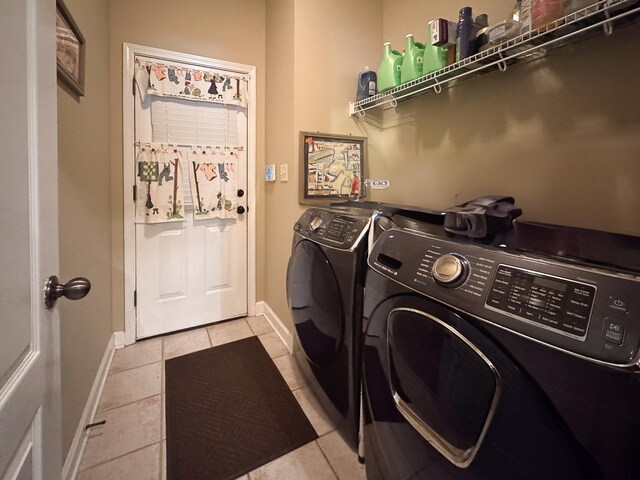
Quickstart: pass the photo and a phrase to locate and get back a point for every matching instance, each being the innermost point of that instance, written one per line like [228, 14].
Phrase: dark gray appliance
[325, 288]
[514, 357]
[325, 281]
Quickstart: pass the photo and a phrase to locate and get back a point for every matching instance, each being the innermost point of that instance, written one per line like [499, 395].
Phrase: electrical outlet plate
[284, 173]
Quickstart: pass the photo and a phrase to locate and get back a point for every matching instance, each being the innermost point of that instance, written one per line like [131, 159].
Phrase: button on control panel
[555, 303]
[618, 305]
[613, 331]
[339, 229]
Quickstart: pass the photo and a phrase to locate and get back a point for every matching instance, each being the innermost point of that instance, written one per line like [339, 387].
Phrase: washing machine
[508, 358]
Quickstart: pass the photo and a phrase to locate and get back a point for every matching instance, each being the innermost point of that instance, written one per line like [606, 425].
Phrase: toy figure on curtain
[214, 184]
[159, 193]
[191, 84]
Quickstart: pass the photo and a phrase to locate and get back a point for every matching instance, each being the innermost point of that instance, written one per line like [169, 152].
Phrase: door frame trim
[129, 51]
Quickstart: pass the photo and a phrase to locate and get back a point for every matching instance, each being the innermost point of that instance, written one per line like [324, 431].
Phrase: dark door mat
[229, 411]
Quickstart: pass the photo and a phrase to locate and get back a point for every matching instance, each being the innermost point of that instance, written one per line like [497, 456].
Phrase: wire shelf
[528, 46]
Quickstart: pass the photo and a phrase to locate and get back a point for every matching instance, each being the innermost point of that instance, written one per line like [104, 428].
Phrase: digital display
[545, 282]
[555, 303]
[338, 229]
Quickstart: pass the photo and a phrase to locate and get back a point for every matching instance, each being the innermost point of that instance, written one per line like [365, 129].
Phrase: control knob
[450, 270]
[315, 223]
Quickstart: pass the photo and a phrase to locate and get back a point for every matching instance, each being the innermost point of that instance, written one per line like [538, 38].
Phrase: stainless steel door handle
[74, 289]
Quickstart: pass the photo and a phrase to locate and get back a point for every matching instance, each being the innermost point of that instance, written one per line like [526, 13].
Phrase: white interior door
[192, 272]
[29, 334]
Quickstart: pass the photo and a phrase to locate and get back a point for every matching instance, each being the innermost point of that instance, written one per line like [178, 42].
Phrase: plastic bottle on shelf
[525, 16]
[465, 40]
[412, 60]
[389, 70]
[502, 31]
[517, 9]
[572, 6]
[481, 22]
[435, 57]
[544, 12]
[367, 84]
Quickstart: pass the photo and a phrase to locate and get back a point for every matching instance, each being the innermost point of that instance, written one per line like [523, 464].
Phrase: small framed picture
[331, 166]
[70, 48]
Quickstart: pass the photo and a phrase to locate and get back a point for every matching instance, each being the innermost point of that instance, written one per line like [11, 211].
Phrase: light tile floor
[132, 444]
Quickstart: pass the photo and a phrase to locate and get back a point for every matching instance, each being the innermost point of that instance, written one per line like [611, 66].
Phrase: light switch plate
[284, 173]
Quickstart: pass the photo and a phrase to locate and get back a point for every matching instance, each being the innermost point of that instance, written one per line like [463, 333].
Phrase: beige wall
[280, 198]
[561, 135]
[85, 210]
[227, 30]
[314, 53]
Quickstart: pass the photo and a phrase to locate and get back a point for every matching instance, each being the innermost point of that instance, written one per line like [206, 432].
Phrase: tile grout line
[131, 403]
[133, 368]
[123, 455]
[209, 337]
[327, 459]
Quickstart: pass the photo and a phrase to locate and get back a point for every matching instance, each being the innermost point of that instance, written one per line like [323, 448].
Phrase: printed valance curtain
[204, 85]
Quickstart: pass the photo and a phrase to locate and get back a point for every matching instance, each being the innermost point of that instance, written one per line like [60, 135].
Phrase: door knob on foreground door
[74, 289]
[240, 209]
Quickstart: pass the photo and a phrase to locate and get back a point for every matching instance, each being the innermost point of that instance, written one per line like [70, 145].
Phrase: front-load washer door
[316, 304]
[442, 384]
[444, 401]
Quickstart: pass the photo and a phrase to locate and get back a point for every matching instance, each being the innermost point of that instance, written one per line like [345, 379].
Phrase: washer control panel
[331, 228]
[581, 309]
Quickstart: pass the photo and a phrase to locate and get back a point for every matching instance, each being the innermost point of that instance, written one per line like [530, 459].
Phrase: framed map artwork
[331, 167]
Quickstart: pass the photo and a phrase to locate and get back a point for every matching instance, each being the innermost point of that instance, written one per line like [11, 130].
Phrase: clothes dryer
[509, 358]
[325, 281]
[325, 287]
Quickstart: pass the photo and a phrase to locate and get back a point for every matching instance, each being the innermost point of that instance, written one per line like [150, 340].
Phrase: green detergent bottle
[412, 61]
[389, 70]
[435, 58]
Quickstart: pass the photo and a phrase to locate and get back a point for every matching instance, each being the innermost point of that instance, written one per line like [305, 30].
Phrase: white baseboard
[72, 463]
[263, 308]
[119, 339]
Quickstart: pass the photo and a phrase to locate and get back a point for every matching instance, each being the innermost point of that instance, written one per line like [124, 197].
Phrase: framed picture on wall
[331, 167]
[69, 50]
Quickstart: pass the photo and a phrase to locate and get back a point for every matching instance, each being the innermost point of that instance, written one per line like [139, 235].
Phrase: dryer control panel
[331, 228]
[578, 308]
[557, 303]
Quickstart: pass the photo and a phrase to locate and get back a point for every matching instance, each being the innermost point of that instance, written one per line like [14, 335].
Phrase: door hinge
[135, 298]
[135, 193]
[133, 86]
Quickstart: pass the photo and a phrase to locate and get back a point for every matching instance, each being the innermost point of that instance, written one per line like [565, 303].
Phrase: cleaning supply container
[412, 61]
[435, 57]
[389, 70]
[465, 41]
[367, 84]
